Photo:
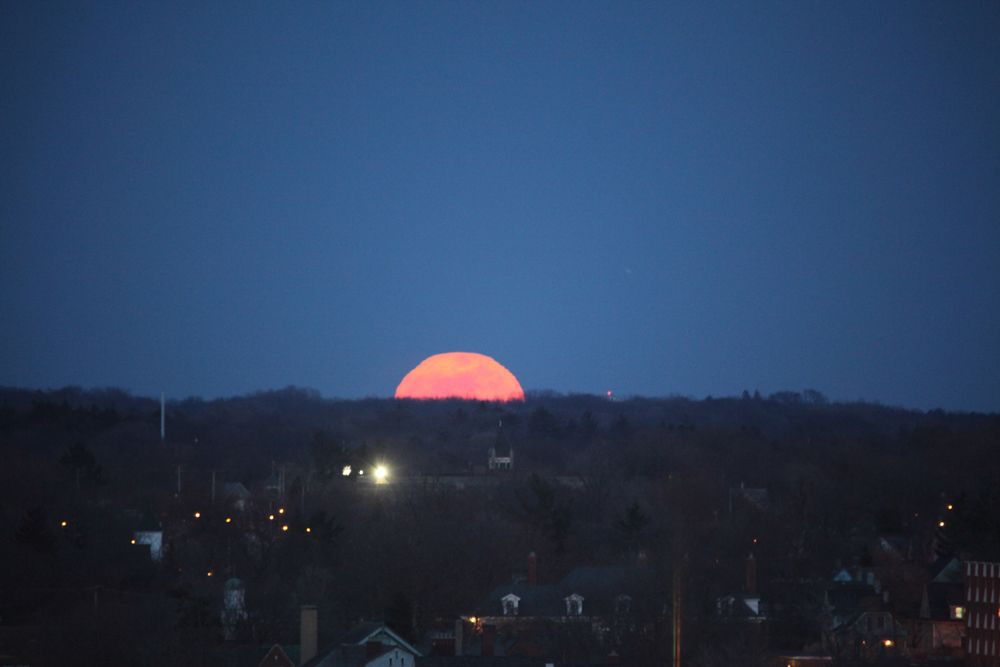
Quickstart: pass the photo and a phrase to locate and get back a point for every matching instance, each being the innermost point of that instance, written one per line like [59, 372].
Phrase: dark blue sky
[654, 199]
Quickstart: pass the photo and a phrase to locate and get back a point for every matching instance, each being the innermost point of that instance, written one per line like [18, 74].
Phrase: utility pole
[677, 607]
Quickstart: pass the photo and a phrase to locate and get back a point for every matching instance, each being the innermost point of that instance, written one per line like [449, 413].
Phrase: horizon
[650, 199]
[780, 396]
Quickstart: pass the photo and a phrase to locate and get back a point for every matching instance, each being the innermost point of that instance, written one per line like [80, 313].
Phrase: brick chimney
[489, 639]
[751, 575]
[307, 633]
[532, 569]
[642, 560]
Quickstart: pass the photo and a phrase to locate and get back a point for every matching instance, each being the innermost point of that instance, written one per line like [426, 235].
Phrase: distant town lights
[346, 471]
[380, 472]
[284, 527]
[228, 520]
[281, 511]
[888, 642]
[271, 517]
[63, 524]
[941, 524]
[197, 515]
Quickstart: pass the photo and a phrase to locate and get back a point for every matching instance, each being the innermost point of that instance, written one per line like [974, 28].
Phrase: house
[745, 606]
[276, 657]
[150, 531]
[367, 644]
[237, 495]
[594, 610]
[855, 622]
[942, 620]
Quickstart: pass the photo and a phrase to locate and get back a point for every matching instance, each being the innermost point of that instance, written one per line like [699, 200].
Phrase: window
[957, 613]
[510, 604]
[574, 605]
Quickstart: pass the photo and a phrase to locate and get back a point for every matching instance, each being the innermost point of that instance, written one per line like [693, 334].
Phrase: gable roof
[946, 570]
[236, 489]
[351, 648]
[276, 657]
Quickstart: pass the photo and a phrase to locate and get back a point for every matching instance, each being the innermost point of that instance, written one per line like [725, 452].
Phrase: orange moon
[460, 375]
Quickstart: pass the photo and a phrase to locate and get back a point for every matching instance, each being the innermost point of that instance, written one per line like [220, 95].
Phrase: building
[237, 495]
[942, 611]
[594, 612]
[233, 610]
[276, 657]
[501, 454]
[982, 613]
[150, 532]
[367, 644]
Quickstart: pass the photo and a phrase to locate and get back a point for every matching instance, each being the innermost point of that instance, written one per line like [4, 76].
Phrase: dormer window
[957, 613]
[510, 604]
[622, 604]
[574, 605]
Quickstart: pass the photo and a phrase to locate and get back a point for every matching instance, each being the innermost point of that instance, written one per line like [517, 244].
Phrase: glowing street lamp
[380, 472]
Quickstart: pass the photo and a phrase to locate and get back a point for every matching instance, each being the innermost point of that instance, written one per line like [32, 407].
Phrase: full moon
[460, 375]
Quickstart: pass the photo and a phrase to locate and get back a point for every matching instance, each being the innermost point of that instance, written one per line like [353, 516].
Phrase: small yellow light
[284, 527]
[888, 642]
[346, 471]
[271, 517]
[210, 574]
[197, 515]
[941, 524]
[949, 506]
[308, 530]
[472, 619]
[133, 541]
[228, 520]
[64, 524]
[281, 511]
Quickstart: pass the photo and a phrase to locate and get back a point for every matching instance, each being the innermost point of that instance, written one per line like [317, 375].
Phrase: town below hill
[563, 530]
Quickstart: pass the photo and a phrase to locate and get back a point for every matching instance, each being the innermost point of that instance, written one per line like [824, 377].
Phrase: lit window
[957, 613]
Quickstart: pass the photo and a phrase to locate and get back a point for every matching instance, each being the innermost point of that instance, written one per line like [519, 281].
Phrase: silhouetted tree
[33, 531]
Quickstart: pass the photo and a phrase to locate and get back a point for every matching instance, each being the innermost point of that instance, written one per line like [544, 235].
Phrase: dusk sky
[660, 198]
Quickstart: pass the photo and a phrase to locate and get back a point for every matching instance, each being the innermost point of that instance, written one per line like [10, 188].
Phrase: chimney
[642, 560]
[751, 575]
[373, 649]
[459, 632]
[489, 639]
[307, 633]
[532, 569]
